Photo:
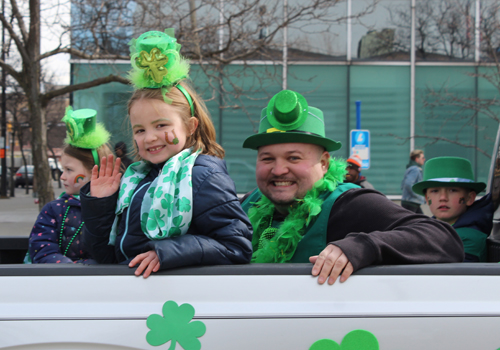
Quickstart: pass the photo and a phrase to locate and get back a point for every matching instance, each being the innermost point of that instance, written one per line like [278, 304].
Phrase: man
[301, 205]
[410, 200]
[353, 172]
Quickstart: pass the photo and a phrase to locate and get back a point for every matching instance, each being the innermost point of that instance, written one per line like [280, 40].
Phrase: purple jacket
[44, 245]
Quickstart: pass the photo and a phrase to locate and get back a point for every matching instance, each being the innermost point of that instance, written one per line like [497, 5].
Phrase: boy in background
[450, 191]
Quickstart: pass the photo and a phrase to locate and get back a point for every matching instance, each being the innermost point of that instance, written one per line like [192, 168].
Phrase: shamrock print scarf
[166, 209]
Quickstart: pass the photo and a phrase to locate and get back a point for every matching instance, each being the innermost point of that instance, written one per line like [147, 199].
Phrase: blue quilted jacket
[220, 232]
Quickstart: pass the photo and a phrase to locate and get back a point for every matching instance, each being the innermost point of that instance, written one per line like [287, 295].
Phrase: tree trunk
[37, 110]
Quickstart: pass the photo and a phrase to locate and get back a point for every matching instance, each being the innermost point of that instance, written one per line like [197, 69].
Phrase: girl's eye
[138, 131]
[159, 126]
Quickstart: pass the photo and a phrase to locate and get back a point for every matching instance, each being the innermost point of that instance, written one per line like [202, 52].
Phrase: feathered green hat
[156, 61]
[157, 64]
[82, 130]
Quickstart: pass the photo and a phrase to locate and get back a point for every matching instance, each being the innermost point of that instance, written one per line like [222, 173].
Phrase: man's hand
[148, 261]
[106, 180]
[331, 262]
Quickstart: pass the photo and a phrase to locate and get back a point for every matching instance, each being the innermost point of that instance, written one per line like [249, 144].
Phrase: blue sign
[360, 145]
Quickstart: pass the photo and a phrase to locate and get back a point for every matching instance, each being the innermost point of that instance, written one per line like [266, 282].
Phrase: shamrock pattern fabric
[166, 209]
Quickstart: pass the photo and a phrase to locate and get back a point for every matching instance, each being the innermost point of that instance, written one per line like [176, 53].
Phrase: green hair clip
[157, 64]
[83, 131]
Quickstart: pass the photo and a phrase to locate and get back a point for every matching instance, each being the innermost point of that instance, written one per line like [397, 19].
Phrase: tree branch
[45, 98]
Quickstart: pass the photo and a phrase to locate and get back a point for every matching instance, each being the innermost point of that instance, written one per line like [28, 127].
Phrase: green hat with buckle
[288, 119]
[448, 172]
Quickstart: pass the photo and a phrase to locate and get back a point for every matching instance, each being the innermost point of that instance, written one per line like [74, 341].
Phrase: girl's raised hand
[106, 180]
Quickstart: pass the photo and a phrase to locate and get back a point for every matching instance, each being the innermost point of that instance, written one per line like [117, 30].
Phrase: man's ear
[325, 161]
[471, 197]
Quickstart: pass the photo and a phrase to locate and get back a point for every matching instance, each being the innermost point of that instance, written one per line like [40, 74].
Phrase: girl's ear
[192, 124]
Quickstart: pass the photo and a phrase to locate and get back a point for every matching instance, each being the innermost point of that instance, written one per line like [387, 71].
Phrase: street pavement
[18, 213]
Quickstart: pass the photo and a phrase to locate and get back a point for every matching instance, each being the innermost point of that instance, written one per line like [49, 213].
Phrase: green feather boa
[282, 246]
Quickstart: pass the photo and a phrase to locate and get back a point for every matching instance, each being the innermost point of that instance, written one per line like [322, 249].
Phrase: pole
[3, 193]
[358, 115]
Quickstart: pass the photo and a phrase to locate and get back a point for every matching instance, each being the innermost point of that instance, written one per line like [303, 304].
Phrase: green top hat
[448, 172]
[82, 131]
[288, 119]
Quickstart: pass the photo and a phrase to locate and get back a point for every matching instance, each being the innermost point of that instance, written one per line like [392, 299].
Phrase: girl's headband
[82, 130]
[157, 64]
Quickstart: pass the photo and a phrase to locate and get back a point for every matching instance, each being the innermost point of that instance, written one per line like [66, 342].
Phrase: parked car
[21, 179]
[56, 169]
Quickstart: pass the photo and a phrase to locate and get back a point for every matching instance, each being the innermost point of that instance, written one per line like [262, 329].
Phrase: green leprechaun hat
[448, 172]
[82, 130]
[288, 119]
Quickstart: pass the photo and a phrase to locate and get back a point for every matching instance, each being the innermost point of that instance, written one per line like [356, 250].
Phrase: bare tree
[25, 39]
[213, 33]
[445, 31]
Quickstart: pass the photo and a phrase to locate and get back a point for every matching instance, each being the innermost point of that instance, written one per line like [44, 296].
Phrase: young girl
[178, 205]
[56, 236]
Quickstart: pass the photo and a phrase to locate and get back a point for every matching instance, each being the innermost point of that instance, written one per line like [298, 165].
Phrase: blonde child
[56, 236]
[177, 206]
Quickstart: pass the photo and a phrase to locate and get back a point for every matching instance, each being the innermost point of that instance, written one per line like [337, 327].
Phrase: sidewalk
[18, 214]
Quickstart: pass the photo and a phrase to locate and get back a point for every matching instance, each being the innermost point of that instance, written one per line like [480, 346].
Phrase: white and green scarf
[167, 206]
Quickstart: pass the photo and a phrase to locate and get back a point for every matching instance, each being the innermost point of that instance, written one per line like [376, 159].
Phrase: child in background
[178, 205]
[56, 236]
[450, 191]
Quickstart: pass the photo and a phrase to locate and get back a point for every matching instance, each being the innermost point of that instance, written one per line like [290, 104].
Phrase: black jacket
[220, 232]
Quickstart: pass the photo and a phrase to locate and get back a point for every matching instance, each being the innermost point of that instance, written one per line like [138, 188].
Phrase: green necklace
[278, 245]
[62, 229]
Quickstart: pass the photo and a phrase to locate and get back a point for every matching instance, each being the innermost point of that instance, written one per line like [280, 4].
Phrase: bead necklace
[62, 229]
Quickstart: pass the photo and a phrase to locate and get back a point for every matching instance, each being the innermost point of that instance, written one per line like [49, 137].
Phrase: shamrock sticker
[182, 173]
[175, 229]
[155, 217]
[183, 204]
[175, 326]
[358, 339]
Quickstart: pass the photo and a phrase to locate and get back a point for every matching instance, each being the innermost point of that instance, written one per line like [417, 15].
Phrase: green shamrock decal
[358, 339]
[182, 173]
[170, 177]
[175, 326]
[166, 168]
[183, 204]
[165, 203]
[159, 192]
[155, 213]
[122, 190]
[135, 179]
[175, 230]
[151, 192]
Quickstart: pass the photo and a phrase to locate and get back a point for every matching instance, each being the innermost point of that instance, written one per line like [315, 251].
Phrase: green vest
[314, 239]
[474, 242]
